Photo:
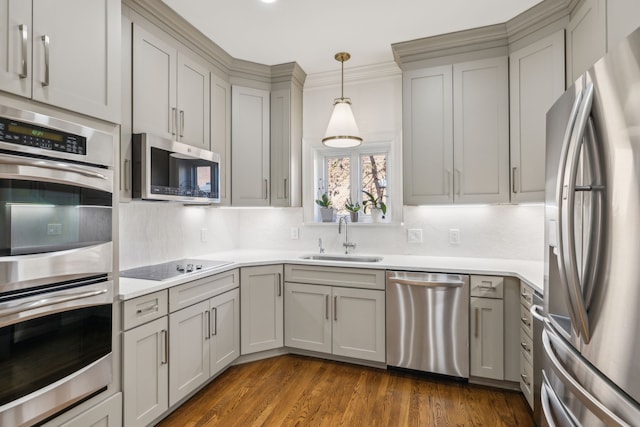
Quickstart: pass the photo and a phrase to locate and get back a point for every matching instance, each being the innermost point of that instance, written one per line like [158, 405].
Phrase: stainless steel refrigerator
[591, 368]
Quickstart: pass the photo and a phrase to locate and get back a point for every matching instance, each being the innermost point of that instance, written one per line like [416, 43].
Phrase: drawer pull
[525, 379]
[148, 309]
[526, 321]
[525, 347]
[488, 285]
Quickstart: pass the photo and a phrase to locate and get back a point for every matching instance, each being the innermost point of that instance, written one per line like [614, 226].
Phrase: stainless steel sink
[343, 258]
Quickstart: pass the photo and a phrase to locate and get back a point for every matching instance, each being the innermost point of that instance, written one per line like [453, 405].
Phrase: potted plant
[353, 209]
[326, 211]
[377, 206]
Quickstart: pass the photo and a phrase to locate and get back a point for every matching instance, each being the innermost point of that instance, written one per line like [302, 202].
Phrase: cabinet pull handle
[127, 174]
[207, 325]
[458, 182]
[489, 287]
[514, 171]
[335, 308]
[525, 379]
[214, 312]
[449, 182]
[164, 335]
[525, 321]
[148, 309]
[326, 306]
[279, 284]
[285, 188]
[266, 189]
[172, 128]
[477, 317]
[181, 123]
[24, 36]
[525, 347]
[47, 42]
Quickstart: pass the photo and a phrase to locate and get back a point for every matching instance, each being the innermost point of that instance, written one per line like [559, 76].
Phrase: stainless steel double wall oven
[56, 262]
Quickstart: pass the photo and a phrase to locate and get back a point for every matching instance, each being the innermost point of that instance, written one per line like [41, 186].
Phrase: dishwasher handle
[428, 283]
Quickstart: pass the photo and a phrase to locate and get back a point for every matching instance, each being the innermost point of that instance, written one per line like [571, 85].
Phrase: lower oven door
[55, 349]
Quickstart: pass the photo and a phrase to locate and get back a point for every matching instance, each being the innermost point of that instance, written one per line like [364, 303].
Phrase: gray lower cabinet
[107, 413]
[337, 320]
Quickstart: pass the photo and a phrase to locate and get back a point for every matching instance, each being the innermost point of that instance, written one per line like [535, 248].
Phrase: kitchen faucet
[347, 245]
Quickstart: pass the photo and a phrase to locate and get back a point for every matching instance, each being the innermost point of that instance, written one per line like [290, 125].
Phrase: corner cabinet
[456, 133]
[68, 62]
[262, 309]
[250, 168]
[536, 81]
[340, 320]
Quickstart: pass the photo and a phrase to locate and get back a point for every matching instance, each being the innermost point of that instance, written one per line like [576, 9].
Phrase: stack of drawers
[526, 343]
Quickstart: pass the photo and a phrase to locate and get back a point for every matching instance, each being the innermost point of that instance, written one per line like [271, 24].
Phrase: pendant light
[342, 131]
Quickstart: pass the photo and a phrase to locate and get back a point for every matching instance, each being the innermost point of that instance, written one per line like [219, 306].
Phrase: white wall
[155, 232]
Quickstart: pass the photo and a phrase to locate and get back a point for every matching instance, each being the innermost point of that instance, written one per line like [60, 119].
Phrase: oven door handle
[104, 178]
[31, 305]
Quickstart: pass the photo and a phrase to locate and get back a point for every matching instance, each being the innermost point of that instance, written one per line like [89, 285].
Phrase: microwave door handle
[570, 256]
[562, 170]
[596, 208]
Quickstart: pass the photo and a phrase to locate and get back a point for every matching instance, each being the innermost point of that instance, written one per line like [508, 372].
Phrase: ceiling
[310, 32]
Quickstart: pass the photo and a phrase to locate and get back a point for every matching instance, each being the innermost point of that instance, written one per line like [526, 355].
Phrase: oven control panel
[15, 132]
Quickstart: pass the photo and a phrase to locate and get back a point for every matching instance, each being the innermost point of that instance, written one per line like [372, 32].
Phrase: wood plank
[302, 391]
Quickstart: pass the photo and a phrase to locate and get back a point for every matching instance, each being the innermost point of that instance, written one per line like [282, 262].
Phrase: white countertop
[531, 272]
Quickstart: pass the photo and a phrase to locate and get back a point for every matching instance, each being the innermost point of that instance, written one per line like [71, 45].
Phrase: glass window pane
[338, 182]
[374, 175]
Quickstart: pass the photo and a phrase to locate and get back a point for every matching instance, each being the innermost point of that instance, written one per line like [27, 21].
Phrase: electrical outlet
[414, 235]
[454, 236]
[54, 229]
[203, 235]
[295, 233]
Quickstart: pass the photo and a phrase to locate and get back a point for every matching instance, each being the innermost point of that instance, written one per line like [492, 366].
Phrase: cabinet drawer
[526, 379]
[526, 295]
[487, 286]
[144, 309]
[526, 345]
[526, 320]
[335, 276]
[190, 293]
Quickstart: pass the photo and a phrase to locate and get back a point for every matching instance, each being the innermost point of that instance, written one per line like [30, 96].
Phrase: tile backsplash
[153, 232]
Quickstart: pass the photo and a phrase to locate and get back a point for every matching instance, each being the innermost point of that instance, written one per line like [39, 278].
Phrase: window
[344, 176]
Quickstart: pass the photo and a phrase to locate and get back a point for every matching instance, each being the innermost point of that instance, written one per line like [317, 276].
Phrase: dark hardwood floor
[301, 391]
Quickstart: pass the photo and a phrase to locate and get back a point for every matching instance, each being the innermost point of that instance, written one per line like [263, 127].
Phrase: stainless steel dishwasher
[428, 322]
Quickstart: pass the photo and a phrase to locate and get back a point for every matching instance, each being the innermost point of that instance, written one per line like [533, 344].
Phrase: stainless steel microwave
[163, 169]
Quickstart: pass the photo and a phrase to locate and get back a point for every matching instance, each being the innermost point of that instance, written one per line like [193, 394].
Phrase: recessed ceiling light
[268, 1]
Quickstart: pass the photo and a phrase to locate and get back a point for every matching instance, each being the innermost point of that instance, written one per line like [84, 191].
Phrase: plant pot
[354, 216]
[377, 216]
[328, 214]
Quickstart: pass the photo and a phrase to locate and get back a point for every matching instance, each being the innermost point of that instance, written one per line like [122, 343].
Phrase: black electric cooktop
[168, 270]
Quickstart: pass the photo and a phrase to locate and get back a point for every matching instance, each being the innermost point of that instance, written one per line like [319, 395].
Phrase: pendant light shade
[342, 131]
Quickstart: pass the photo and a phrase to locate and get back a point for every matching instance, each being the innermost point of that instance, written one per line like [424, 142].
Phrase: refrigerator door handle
[594, 405]
[549, 399]
[569, 253]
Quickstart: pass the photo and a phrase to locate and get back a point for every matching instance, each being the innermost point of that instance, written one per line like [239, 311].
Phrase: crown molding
[353, 75]
[537, 18]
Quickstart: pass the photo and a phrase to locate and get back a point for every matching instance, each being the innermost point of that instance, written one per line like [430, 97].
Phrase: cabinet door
[307, 317]
[261, 309]
[250, 145]
[428, 136]
[481, 131]
[107, 413]
[78, 66]
[145, 373]
[154, 85]
[359, 324]
[193, 102]
[221, 133]
[280, 146]
[225, 330]
[15, 47]
[536, 81]
[623, 16]
[486, 340]
[586, 38]
[188, 350]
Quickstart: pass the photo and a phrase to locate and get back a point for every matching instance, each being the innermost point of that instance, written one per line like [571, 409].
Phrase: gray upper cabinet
[456, 133]
[170, 91]
[221, 132]
[586, 37]
[536, 81]
[40, 56]
[623, 16]
[250, 159]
